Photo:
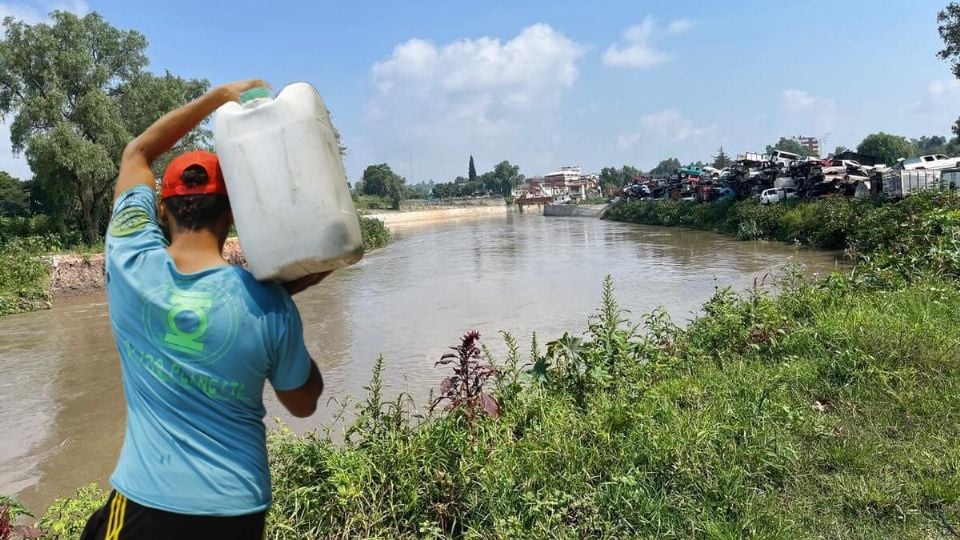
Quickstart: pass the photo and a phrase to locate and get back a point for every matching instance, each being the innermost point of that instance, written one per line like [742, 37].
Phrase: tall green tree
[887, 148]
[506, 176]
[381, 181]
[721, 160]
[933, 144]
[472, 172]
[948, 21]
[612, 176]
[14, 196]
[791, 145]
[77, 91]
[665, 167]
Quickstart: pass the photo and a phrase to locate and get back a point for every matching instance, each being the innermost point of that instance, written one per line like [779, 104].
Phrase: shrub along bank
[831, 410]
[832, 223]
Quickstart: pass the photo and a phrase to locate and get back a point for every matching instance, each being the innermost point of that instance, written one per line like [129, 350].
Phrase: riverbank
[395, 219]
[831, 223]
[830, 410]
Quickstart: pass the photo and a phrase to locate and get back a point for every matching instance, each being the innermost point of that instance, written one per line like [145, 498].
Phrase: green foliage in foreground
[375, 233]
[818, 413]
[832, 223]
[24, 276]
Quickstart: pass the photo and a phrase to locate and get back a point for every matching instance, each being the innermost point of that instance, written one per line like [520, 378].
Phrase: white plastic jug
[287, 185]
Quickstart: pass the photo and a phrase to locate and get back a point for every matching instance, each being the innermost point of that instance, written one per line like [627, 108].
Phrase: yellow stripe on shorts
[118, 508]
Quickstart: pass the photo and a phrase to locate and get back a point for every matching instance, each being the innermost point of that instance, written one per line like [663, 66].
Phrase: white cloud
[941, 98]
[807, 113]
[679, 27]
[666, 126]
[938, 88]
[36, 12]
[639, 52]
[480, 96]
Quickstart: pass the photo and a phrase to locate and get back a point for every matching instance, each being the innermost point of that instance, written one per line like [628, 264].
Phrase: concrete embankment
[399, 218]
[574, 210]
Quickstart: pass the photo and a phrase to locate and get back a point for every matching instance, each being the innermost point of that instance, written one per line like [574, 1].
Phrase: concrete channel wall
[395, 219]
[574, 210]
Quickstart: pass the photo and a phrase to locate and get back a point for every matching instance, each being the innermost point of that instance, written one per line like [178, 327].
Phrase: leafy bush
[831, 223]
[66, 517]
[375, 234]
[372, 202]
[24, 275]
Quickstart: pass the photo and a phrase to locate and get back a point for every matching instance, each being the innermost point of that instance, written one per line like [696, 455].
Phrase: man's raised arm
[141, 152]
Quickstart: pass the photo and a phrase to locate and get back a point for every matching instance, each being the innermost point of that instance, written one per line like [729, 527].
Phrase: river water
[61, 402]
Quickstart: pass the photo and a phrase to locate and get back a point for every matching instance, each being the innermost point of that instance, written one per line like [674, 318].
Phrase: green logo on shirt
[199, 321]
[187, 320]
[128, 221]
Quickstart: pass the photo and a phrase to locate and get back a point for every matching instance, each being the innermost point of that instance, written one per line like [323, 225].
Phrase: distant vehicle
[725, 194]
[712, 171]
[782, 158]
[900, 183]
[775, 195]
[753, 157]
[931, 161]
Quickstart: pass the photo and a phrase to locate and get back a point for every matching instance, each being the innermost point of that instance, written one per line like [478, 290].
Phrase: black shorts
[120, 519]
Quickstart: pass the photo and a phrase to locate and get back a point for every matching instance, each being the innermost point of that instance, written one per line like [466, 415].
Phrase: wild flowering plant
[465, 388]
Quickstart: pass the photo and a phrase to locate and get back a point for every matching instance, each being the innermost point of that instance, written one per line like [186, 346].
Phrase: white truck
[898, 183]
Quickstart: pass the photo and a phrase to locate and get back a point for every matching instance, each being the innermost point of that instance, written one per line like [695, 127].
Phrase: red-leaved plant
[464, 389]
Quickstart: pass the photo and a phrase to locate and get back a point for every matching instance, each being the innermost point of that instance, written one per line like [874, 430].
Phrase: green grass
[375, 234]
[815, 414]
[24, 276]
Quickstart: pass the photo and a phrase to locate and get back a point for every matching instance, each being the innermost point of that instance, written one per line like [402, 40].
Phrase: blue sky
[422, 85]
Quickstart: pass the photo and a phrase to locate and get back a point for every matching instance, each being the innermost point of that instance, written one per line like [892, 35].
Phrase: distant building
[571, 182]
[810, 143]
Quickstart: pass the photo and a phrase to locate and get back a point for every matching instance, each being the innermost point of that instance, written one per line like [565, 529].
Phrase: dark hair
[194, 212]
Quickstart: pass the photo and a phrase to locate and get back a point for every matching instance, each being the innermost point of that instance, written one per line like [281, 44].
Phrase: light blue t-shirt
[195, 350]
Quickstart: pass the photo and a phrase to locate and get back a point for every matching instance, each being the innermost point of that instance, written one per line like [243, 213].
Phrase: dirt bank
[72, 274]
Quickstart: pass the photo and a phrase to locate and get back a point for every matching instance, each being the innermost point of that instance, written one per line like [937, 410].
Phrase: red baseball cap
[174, 186]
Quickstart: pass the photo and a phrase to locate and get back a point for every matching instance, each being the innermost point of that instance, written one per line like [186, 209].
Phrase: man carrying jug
[197, 337]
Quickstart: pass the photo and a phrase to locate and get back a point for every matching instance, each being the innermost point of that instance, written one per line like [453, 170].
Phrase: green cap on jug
[260, 92]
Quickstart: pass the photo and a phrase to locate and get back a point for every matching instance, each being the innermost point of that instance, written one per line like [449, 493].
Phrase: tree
[14, 196]
[472, 173]
[78, 93]
[666, 167]
[791, 145]
[887, 148]
[949, 29]
[381, 181]
[929, 145]
[721, 160]
[612, 176]
[507, 177]
[840, 150]
[489, 182]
